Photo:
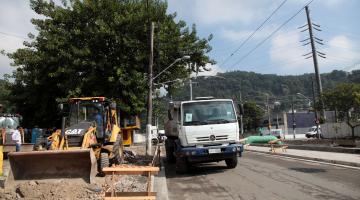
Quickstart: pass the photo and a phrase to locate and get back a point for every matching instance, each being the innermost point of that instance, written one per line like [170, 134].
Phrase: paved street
[260, 177]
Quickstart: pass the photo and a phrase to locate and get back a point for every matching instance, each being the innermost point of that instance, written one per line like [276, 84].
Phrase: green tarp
[261, 139]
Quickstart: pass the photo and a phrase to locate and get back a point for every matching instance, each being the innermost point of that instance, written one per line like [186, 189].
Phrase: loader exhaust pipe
[63, 121]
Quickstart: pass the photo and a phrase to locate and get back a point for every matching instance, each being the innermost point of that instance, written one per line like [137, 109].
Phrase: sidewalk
[329, 157]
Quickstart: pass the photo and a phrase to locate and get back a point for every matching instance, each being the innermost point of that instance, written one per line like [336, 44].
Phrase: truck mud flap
[55, 164]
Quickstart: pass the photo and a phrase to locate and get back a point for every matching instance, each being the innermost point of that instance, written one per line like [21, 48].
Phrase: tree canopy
[255, 86]
[99, 48]
[345, 99]
[5, 86]
[252, 115]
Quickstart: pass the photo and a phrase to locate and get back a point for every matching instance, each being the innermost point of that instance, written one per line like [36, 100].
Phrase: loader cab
[86, 112]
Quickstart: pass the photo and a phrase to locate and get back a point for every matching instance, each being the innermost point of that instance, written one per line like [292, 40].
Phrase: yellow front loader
[89, 140]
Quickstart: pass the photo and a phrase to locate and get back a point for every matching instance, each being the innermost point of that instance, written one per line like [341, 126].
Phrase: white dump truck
[202, 130]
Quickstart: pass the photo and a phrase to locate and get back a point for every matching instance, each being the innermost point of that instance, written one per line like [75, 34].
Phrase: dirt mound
[78, 189]
[60, 189]
[74, 189]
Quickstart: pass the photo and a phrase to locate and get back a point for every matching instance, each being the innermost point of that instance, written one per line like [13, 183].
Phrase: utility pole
[190, 85]
[241, 116]
[150, 87]
[268, 110]
[315, 111]
[314, 56]
[293, 116]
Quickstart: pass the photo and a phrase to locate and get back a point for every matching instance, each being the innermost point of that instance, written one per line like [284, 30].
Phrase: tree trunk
[352, 129]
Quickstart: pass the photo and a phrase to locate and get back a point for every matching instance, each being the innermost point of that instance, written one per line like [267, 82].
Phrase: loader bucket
[54, 164]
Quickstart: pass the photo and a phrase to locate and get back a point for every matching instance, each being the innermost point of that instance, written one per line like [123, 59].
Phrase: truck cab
[202, 130]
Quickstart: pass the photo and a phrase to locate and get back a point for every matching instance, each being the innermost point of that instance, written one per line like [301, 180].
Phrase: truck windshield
[208, 112]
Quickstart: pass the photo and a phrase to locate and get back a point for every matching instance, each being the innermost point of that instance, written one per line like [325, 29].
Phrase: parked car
[313, 133]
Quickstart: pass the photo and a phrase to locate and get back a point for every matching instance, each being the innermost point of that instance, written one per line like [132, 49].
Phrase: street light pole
[150, 85]
[305, 98]
[191, 93]
[241, 115]
[268, 110]
[150, 88]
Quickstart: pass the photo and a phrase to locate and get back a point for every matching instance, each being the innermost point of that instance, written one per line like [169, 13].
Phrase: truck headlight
[234, 149]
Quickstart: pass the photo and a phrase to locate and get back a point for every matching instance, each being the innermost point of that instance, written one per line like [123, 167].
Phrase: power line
[13, 35]
[352, 67]
[253, 33]
[269, 36]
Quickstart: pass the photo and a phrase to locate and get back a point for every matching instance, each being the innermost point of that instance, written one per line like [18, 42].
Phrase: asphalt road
[260, 176]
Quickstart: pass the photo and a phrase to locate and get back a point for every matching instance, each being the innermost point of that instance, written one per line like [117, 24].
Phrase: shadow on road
[308, 170]
[195, 169]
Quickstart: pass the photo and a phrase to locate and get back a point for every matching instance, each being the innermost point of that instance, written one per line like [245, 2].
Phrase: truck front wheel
[181, 165]
[231, 163]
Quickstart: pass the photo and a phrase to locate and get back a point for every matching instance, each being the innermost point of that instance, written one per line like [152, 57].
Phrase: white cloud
[15, 24]
[328, 3]
[210, 12]
[341, 52]
[9, 44]
[235, 36]
[286, 53]
[214, 69]
[333, 3]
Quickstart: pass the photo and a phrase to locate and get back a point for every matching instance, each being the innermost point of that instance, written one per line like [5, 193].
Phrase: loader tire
[104, 162]
[116, 151]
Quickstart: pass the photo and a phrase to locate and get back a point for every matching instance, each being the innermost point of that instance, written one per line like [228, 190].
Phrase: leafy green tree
[5, 87]
[99, 48]
[345, 99]
[252, 116]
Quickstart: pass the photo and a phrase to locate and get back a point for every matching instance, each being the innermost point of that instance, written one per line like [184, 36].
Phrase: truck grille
[207, 139]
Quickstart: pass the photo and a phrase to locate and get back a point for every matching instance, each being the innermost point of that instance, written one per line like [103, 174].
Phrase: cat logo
[73, 131]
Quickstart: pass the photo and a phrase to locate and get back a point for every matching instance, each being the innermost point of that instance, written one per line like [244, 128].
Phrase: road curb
[352, 164]
[353, 150]
[160, 185]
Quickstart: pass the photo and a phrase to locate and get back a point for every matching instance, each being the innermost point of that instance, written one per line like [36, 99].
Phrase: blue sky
[231, 22]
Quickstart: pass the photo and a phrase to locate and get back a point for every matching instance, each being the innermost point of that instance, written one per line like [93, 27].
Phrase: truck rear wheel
[181, 165]
[231, 163]
[169, 148]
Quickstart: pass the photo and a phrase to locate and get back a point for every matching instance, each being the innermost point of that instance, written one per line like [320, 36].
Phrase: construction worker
[99, 123]
[16, 137]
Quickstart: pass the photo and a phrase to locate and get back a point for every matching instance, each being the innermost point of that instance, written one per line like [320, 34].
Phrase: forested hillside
[254, 86]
